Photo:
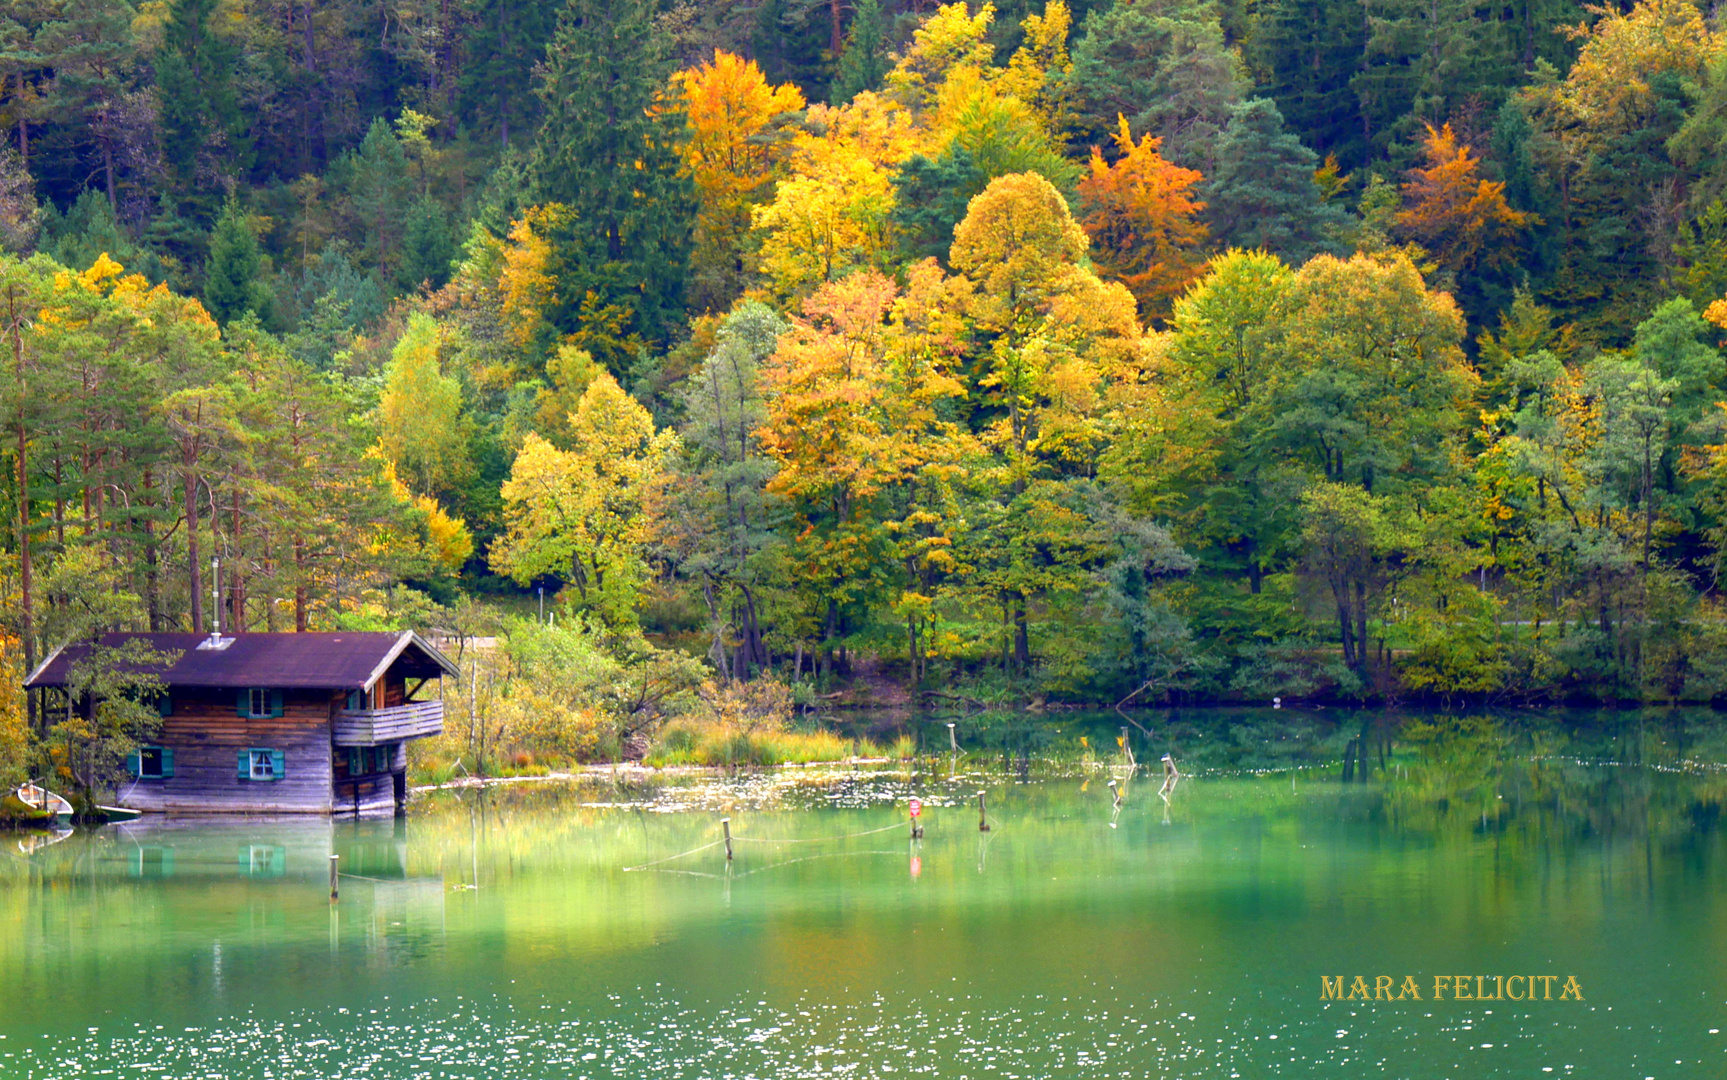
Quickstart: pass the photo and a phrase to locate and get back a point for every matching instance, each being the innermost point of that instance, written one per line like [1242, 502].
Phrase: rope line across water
[819, 839]
[669, 858]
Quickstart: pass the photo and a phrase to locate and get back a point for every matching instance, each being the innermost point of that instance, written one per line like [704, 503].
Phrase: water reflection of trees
[1550, 782]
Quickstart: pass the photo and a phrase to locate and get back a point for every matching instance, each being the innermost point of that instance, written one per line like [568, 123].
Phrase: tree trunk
[27, 629]
[1021, 637]
[237, 593]
[152, 579]
[300, 598]
[1361, 624]
[1346, 631]
[194, 573]
[754, 651]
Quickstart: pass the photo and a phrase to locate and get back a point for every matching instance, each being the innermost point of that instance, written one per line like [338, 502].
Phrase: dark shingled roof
[336, 661]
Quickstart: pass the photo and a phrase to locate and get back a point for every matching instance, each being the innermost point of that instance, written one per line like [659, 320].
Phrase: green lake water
[505, 933]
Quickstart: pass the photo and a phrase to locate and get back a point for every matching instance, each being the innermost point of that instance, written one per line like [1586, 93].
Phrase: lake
[595, 928]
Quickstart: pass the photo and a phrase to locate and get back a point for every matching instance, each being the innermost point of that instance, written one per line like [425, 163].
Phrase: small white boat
[33, 796]
[117, 814]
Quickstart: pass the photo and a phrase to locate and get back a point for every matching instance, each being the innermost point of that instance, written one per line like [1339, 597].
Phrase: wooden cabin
[276, 723]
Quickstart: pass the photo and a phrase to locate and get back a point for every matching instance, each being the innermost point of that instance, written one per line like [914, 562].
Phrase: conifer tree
[507, 38]
[864, 61]
[1309, 49]
[1262, 194]
[380, 184]
[233, 276]
[1163, 64]
[608, 151]
[428, 246]
[199, 105]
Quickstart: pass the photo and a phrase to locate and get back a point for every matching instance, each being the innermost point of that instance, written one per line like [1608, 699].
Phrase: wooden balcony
[371, 727]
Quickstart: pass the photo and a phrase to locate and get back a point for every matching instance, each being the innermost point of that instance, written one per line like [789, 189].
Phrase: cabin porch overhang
[374, 727]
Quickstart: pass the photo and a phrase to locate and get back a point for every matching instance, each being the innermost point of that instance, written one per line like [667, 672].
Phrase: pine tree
[1309, 49]
[233, 275]
[1262, 194]
[608, 152]
[508, 37]
[1163, 64]
[788, 43]
[1421, 60]
[94, 55]
[428, 246]
[380, 184]
[200, 114]
[864, 61]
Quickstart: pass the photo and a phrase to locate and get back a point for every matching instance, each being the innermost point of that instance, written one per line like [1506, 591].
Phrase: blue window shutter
[245, 764]
[132, 763]
[244, 706]
[276, 760]
[165, 705]
[167, 762]
[276, 703]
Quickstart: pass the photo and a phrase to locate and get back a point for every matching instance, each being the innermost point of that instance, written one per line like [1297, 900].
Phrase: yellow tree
[1143, 220]
[1056, 333]
[421, 425]
[1039, 70]
[866, 455]
[831, 216]
[582, 515]
[1461, 218]
[1608, 91]
[826, 223]
[952, 39]
[737, 141]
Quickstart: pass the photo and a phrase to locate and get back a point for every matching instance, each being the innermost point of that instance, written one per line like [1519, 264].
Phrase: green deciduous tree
[420, 416]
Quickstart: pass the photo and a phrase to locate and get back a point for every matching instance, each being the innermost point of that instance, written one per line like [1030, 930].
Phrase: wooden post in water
[726, 824]
[333, 861]
[982, 816]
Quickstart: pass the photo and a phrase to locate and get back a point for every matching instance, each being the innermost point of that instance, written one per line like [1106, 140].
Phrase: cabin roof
[335, 661]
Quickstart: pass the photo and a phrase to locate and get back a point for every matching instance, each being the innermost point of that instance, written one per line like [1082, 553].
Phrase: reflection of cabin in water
[272, 871]
[311, 723]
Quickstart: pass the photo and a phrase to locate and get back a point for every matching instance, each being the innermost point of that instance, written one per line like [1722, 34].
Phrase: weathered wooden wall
[207, 734]
[375, 791]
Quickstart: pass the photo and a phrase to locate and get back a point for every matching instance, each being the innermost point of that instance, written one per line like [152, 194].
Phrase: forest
[1142, 352]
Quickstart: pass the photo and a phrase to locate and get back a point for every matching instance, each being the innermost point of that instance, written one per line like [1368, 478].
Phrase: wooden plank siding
[369, 727]
[207, 734]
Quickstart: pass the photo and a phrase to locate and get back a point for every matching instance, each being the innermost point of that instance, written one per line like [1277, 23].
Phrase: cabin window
[261, 764]
[165, 705]
[356, 700]
[151, 763]
[259, 703]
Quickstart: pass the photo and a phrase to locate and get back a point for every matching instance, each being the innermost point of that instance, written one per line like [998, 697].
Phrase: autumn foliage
[1461, 218]
[1143, 219]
